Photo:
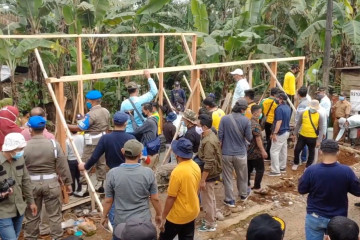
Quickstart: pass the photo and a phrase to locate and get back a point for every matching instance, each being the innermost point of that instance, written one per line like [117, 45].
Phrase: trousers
[209, 203]
[184, 231]
[279, 152]
[47, 191]
[267, 129]
[100, 165]
[258, 165]
[239, 164]
[301, 143]
[315, 227]
[10, 227]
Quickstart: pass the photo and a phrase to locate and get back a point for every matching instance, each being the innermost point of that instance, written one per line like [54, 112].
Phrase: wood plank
[50, 36]
[300, 80]
[273, 67]
[161, 76]
[227, 101]
[195, 75]
[60, 131]
[187, 83]
[84, 77]
[75, 202]
[192, 62]
[79, 68]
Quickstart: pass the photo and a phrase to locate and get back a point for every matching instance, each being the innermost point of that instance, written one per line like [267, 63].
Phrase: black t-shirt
[194, 138]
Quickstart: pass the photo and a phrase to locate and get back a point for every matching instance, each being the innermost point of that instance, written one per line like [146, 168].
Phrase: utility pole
[326, 62]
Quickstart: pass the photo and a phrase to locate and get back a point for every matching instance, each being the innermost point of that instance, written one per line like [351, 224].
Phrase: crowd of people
[208, 147]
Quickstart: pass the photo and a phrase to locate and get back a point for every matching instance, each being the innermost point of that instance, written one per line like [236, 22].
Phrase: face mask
[88, 105]
[341, 98]
[199, 130]
[319, 97]
[312, 110]
[18, 155]
[260, 117]
[144, 115]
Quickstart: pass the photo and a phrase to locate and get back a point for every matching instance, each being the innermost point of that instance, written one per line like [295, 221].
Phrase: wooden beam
[94, 76]
[273, 67]
[251, 77]
[195, 75]
[187, 83]
[68, 133]
[161, 76]
[187, 49]
[300, 80]
[279, 86]
[227, 101]
[50, 36]
[79, 68]
[76, 107]
[60, 136]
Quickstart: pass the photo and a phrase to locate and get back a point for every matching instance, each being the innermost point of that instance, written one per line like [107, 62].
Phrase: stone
[163, 176]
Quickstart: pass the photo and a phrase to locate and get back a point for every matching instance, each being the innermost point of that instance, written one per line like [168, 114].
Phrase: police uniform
[45, 159]
[13, 206]
[95, 124]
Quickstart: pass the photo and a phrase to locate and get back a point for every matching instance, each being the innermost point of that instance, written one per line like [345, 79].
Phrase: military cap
[93, 95]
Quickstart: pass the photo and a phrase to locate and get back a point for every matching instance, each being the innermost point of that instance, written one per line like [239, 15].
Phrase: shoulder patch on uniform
[2, 173]
[20, 167]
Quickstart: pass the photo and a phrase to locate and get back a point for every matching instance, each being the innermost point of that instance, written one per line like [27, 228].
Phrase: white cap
[237, 71]
[314, 104]
[13, 141]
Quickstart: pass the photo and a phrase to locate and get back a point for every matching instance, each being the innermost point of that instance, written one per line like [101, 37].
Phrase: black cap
[266, 227]
[282, 96]
[329, 146]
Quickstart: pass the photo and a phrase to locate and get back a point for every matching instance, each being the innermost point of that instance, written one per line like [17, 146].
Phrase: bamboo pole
[76, 107]
[71, 140]
[279, 85]
[161, 76]
[79, 69]
[187, 49]
[50, 36]
[178, 127]
[95, 76]
[187, 83]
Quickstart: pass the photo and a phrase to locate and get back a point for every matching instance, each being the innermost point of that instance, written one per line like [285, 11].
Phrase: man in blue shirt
[178, 97]
[111, 144]
[279, 137]
[327, 184]
[134, 100]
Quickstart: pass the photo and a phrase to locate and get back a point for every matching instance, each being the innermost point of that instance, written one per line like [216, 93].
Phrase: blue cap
[120, 117]
[182, 148]
[93, 95]
[171, 117]
[36, 122]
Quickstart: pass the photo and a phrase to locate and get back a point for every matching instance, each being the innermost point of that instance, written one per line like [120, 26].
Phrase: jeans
[304, 156]
[239, 163]
[258, 165]
[301, 143]
[112, 215]
[184, 231]
[279, 153]
[315, 226]
[10, 227]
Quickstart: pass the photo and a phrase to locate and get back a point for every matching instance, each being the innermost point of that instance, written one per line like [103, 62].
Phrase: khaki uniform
[43, 165]
[99, 124]
[341, 109]
[14, 203]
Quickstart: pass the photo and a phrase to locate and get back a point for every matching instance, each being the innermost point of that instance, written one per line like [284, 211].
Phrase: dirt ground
[281, 199]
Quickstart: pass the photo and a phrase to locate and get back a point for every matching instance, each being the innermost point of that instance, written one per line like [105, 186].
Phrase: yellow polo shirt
[289, 84]
[265, 104]
[307, 130]
[184, 185]
[216, 118]
[157, 116]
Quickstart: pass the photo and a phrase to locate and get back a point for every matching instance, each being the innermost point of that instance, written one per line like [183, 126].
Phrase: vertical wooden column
[300, 80]
[79, 68]
[195, 74]
[273, 67]
[161, 75]
[60, 130]
[251, 76]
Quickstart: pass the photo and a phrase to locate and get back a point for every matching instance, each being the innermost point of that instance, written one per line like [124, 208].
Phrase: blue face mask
[88, 105]
[18, 155]
[341, 98]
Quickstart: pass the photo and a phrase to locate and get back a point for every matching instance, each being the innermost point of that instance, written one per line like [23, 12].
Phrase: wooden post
[300, 80]
[251, 77]
[273, 67]
[61, 117]
[60, 136]
[79, 68]
[195, 75]
[161, 76]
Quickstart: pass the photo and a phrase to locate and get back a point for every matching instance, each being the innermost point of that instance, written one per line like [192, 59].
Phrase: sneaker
[295, 167]
[203, 223]
[99, 187]
[204, 228]
[283, 170]
[244, 198]
[274, 174]
[83, 193]
[230, 203]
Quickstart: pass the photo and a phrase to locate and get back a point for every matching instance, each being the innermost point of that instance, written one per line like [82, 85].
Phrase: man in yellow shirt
[249, 96]
[182, 203]
[309, 131]
[268, 106]
[290, 82]
[216, 112]
[156, 114]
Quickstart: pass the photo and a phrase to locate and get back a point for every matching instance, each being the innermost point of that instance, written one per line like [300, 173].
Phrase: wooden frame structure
[195, 83]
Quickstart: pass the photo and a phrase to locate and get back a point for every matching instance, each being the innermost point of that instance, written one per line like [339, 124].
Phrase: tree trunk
[14, 95]
[327, 51]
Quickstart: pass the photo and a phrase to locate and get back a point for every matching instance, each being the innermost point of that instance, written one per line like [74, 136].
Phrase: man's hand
[274, 137]
[202, 185]
[68, 189]
[147, 74]
[317, 145]
[264, 154]
[81, 166]
[162, 225]
[158, 220]
[104, 221]
[33, 208]
[5, 194]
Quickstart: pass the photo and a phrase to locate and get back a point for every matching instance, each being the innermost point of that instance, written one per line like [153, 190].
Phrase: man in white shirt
[324, 100]
[241, 85]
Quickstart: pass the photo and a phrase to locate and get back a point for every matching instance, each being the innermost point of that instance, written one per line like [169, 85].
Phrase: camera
[6, 185]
